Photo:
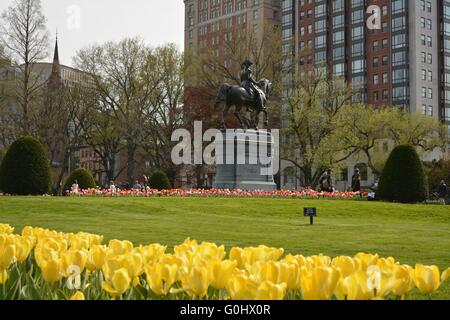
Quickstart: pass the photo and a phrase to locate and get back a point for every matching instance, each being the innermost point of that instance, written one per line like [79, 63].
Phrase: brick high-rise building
[404, 63]
[209, 22]
[401, 64]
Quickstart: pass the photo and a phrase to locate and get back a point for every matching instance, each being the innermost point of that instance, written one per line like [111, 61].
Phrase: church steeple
[56, 67]
[56, 55]
[55, 80]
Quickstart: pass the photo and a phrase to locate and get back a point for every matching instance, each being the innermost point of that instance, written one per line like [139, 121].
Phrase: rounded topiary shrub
[160, 181]
[84, 179]
[403, 178]
[25, 169]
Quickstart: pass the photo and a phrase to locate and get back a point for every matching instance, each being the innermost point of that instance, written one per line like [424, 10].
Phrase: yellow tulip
[209, 251]
[236, 255]
[427, 278]
[24, 245]
[319, 283]
[135, 266]
[73, 258]
[320, 261]
[152, 253]
[241, 287]
[52, 271]
[118, 284]
[278, 273]
[298, 260]
[347, 265]
[3, 276]
[290, 275]
[445, 275]
[379, 282]
[387, 264]
[6, 229]
[120, 247]
[161, 277]
[404, 280]
[353, 287]
[220, 272]
[7, 255]
[270, 291]
[79, 296]
[365, 260]
[247, 257]
[96, 257]
[196, 282]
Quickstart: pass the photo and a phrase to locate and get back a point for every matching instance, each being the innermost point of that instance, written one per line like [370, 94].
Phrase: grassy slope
[410, 233]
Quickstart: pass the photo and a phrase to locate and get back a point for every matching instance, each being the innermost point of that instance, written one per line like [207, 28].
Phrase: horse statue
[239, 97]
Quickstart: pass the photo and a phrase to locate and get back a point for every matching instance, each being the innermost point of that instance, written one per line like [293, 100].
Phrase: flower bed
[303, 194]
[45, 264]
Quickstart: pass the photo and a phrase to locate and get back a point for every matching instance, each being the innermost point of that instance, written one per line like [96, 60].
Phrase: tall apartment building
[208, 23]
[403, 63]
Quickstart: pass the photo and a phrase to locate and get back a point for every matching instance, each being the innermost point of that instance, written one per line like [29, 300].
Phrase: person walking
[443, 191]
[356, 181]
[326, 182]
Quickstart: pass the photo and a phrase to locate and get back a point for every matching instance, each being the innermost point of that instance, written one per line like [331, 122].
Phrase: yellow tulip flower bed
[45, 264]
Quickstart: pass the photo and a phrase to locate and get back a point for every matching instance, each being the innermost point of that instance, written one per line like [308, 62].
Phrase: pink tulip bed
[286, 194]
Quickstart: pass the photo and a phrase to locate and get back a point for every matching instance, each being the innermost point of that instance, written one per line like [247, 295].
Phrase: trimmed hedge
[84, 178]
[160, 181]
[403, 178]
[25, 169]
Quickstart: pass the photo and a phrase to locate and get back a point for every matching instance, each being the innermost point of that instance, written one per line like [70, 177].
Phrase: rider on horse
[249, 83]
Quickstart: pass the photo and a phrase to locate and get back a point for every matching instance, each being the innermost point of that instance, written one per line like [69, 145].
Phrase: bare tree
[23, 33]
[9, 131]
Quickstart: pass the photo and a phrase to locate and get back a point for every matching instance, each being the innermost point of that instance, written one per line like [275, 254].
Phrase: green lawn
[410, 233]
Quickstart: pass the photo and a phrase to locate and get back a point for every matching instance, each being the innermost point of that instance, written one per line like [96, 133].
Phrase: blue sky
[84, 22]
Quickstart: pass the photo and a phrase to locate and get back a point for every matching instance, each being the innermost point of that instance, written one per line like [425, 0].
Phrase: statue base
[244, 160]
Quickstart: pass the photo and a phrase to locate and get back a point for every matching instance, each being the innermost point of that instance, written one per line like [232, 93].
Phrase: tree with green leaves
[314, 104]
[360, 129]
[25, 169]
[403, 178]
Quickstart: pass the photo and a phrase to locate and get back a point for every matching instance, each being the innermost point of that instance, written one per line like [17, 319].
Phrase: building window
[375, 62]
[424, 109]
[375, 45]
[376, 79]
[423, 40]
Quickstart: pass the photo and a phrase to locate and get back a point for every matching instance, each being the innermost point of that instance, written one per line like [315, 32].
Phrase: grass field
[410, 233]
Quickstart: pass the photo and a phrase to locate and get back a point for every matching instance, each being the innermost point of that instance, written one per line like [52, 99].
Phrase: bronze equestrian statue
[250, 94]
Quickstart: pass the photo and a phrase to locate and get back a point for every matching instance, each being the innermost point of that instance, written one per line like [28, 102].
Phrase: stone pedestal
[244, 160]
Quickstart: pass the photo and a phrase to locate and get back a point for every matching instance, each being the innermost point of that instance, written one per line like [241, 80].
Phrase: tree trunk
[58, 184]
[131, 150]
